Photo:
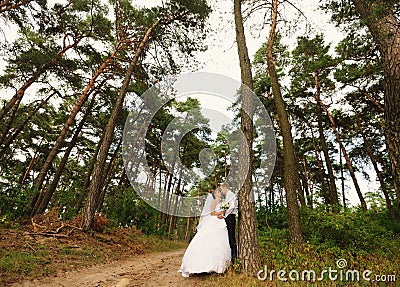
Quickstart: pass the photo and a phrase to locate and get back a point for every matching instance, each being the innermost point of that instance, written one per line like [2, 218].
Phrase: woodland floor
[48, 252]
[156, 269]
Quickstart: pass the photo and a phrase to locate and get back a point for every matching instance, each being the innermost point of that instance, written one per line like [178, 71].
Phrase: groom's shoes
[233, 259]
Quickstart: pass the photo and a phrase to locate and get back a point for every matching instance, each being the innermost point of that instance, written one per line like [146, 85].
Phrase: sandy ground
[157, 269]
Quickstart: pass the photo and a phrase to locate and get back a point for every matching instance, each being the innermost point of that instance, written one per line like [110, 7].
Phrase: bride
[209, 249]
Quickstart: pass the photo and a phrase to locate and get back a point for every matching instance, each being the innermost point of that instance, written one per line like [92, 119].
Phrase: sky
[221, 56]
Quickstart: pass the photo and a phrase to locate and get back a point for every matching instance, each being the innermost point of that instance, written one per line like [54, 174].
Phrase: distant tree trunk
[188, 233]
[249, 252]
[170, 179]
[349, 164]
[321, 171]
[42, 202]
[378, 172]
[342, 177]
[29, 168]
[333, 195]
[82, 99]
[291, 177]
[306, 184]
[96, 184]
[178, 192]
[382, 21]
[164, 202]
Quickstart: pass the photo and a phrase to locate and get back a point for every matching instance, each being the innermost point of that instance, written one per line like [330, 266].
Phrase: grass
[155, 244]
[278, 254]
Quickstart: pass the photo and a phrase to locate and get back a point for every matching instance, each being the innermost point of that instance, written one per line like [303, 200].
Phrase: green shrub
[354, 229]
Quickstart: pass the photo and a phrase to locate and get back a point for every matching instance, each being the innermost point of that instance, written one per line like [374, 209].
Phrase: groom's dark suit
[230, 219]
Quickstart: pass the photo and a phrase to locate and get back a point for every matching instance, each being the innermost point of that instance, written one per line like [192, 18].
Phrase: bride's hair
[214, 191]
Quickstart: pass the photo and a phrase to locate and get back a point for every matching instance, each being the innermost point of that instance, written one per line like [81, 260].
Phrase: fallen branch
[34, 250]
[36, 227]
[46, 234]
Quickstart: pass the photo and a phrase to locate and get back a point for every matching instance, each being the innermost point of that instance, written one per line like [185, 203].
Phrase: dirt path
[157, 269]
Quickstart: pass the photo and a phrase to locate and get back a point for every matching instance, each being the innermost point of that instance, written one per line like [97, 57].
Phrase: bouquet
[224, 205]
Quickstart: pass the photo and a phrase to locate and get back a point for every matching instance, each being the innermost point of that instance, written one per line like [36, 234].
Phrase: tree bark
[108, 175]
[380, 18]
[249, 252]
[82, 196]
[96, 184]
[291, 177]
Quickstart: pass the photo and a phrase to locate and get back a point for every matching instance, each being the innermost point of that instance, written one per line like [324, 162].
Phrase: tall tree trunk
[86, 183]
[249, 252]
[333, 195]
[349, 164]
[108, 175]
[376, 168]
[291, 177]
[38, 182]
[96, 184]
[42, 202]
[380, 18]
[82, 99]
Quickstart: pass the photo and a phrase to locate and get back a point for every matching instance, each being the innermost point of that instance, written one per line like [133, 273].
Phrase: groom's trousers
[231, 226]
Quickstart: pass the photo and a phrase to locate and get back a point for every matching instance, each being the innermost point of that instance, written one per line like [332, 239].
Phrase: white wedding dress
[209, 249]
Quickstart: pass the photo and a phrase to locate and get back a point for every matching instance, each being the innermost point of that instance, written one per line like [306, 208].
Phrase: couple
[214, 244]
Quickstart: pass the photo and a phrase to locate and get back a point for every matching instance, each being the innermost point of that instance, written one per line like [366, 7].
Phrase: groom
[230, 218]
